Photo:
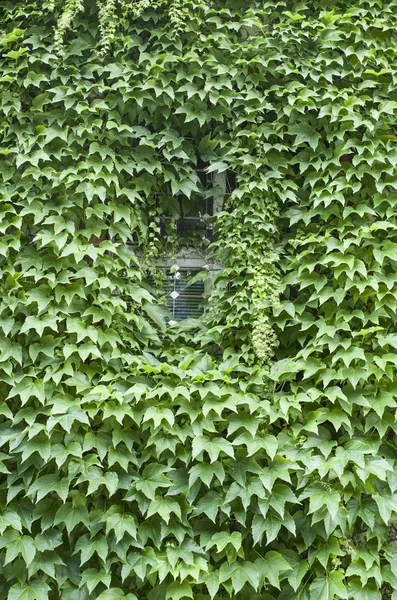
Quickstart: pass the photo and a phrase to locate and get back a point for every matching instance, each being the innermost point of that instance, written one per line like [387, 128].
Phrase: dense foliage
[204, 460]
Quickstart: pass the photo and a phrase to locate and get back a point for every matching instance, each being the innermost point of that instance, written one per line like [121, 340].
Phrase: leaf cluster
[249, 454]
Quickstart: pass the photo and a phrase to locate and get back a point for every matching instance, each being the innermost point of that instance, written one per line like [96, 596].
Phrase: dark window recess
[191, 215]
[194, 215]
[184, 300]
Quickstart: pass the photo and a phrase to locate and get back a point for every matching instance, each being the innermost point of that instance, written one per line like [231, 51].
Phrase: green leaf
[175, 591]
[20, 544]
[271, 566]
[164, 507]
[47, 485]
[212, 582]
[36, 590]
[321, 496]
[10, 518]
[158, 314]
[305, 134]
[321, 588]
[329, 586]
[120, 523]
[92, 578]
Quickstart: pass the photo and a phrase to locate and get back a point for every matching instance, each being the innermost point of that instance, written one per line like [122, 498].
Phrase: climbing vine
[109, 17]
[65, 21]
[250, 453]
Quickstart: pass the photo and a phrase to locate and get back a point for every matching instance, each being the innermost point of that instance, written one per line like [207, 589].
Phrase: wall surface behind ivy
[249, 454]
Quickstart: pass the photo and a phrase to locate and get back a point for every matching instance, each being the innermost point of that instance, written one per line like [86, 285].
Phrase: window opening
[191, 215]
[185, 294]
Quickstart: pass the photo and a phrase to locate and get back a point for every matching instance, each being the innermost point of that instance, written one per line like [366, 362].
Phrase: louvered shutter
[184, 300]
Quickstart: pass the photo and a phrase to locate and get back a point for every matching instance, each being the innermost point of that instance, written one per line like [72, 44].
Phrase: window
[191, 219]
[186, 287]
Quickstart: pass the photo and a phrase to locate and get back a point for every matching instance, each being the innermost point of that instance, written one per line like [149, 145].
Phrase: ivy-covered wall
[249, 454]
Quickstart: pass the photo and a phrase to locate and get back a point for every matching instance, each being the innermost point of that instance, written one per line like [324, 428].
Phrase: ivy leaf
[212, 582]
[271, 566]
[328, 587]
[47, 485]
[164, 507]
[36, 590]
[10, 518]
[319, 497]
[92, 578]
[20, 544]
[305, 134]
[38, 324]
[175, 591]
[28, 388]
[158, 314]
[120, 523]
[9, 350]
